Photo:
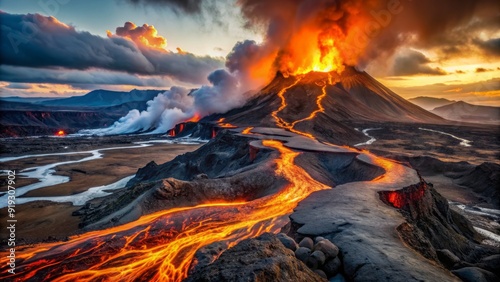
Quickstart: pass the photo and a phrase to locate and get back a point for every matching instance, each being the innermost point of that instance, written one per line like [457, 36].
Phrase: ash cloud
[367, 30]
[413, 62]
[185, 6]
[491, 46]
[36, 41]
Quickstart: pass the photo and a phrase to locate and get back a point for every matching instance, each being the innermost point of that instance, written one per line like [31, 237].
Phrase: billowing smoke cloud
[185, 6]
[178, 105]
[359, 31]
[37, 41]
[145, 35]
[413, 62]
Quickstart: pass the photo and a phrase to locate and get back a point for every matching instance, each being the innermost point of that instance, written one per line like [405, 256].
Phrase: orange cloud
[145, 35]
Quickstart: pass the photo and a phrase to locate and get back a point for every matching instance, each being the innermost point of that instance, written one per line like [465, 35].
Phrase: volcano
[323, 103]
[271, 167]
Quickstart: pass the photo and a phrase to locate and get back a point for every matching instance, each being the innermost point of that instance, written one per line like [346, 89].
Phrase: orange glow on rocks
[401, 198]
[247, 130]
[61, 133]
[223, 124]
[195, 118]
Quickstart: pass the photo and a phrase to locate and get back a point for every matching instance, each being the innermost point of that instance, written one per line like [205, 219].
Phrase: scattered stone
[328, 248]
[316, 259]
[447, 258]
[332, 267]
[302, 253]
[307, 243]
[475, 274]
[287, 241]
[320, 273]
[319, 238]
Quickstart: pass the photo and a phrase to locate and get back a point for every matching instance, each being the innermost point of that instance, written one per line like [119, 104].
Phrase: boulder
[287, 241]
[319, 238]
[302, 253]
[475, 274]
[327, 247]
[307, 243]
[332, 266]
[316, 259]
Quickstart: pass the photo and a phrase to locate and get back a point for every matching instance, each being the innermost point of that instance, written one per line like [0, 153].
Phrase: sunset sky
[62, 47]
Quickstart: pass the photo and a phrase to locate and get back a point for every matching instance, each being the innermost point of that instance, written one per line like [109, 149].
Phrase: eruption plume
[302, 36]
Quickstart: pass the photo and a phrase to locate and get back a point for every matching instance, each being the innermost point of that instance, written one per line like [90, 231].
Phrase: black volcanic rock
[485, 181]
[475, 274]
[255, 260]
[226, 153]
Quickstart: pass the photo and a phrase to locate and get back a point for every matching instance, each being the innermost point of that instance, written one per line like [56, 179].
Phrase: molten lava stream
[291, 126]
[161, 246]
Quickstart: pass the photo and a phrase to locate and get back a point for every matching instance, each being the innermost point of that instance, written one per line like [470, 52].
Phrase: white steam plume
[177, 105]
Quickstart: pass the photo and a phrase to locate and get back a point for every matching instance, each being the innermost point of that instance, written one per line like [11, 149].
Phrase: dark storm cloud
[36, 41]
[491, 46]
[412, 63]
[74, 77]
[447, 25]
[186, 6]
[213, 11]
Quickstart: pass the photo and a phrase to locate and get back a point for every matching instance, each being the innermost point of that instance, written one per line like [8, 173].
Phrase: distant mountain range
[462, 111]
[104, 98]
[43, 116]
[94, 99]
[459, 110]
[430, 103]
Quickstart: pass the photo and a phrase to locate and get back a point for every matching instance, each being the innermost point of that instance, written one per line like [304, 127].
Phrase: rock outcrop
[260, 259]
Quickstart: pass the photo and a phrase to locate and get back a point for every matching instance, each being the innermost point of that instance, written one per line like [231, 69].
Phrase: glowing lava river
[162, 246]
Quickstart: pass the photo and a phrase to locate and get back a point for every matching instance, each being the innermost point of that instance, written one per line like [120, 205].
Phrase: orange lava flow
[291, 126]
[161, 246]
[195, 118]
[61, 133]
[279, 121]
[247, 130]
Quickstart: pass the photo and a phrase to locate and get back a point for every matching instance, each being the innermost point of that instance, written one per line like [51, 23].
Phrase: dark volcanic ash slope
[351, 96]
